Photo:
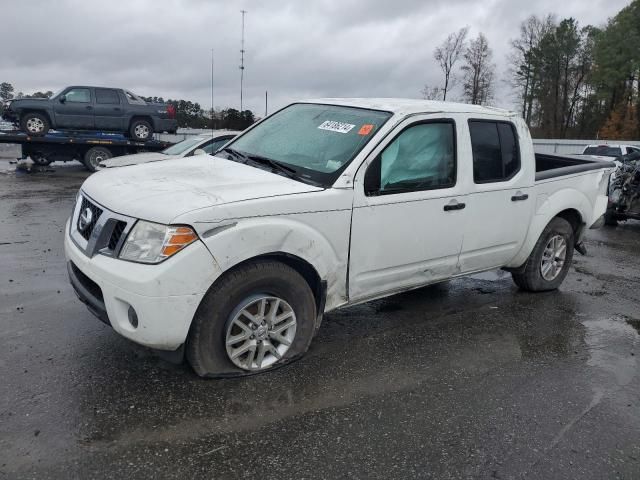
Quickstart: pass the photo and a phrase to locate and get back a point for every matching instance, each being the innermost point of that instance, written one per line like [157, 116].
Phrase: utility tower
[242, 59]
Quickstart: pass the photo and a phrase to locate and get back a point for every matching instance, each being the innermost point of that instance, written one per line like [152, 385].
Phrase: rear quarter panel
[585, 192]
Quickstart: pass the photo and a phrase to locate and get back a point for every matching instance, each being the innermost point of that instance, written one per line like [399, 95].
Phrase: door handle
[88, 107]
[454, 206]
[518, 198]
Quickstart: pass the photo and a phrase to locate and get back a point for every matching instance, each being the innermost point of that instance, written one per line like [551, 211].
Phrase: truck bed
[551, 166]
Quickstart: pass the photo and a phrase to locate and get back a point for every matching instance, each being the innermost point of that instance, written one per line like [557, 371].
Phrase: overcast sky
[294, 48]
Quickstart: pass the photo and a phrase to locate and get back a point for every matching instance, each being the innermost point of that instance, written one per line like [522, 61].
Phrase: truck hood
[161, 191]
[136, 159]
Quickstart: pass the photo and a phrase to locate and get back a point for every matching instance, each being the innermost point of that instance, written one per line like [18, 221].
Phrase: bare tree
[431, 93]
[478, 72]
[448, 54]
[524, 68]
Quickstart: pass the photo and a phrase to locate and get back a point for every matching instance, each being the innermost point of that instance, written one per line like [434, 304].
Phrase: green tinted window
[317, 140]
[421, 157]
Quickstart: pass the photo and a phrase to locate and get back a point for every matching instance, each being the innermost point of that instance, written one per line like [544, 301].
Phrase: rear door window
[496, 157]
[107, 96]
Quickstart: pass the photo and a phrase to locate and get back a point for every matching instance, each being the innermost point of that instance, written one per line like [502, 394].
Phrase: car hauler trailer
[89, 148]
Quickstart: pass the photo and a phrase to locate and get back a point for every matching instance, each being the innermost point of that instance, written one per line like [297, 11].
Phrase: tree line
[568, 81]
[188, 114]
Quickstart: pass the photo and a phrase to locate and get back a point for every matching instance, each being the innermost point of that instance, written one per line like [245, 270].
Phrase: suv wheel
[34, 124]
[255, 318]
[141, 130]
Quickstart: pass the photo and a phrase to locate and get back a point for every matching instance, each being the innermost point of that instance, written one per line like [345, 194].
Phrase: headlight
[152, 242]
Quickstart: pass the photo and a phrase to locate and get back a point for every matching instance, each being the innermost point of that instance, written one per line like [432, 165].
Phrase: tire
[610, 218]
[530, 277]
[141, 130]
[40, 160]
[94, 156]
[35, 124]
[213, 323]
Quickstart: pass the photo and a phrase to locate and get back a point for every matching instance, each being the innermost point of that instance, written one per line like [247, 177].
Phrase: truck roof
[408, 106]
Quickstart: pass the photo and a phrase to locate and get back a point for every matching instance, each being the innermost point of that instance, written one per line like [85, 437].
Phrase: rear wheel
[94, 156]
[257, 317]
[141, 130]
[35, 124]
[549, 262]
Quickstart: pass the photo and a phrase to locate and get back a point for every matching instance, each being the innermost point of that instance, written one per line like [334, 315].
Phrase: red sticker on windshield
[365, 129]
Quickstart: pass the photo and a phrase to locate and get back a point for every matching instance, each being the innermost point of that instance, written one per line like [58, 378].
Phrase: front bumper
[165, 297]
[10, 116]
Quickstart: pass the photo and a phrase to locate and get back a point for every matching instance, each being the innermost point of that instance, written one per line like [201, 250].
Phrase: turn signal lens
[177, 238]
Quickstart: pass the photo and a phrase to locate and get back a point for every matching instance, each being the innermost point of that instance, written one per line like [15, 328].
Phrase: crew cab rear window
[496, 157]
[105, 95]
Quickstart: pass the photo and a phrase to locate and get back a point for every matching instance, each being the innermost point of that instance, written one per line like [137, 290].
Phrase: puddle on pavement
[612, 344]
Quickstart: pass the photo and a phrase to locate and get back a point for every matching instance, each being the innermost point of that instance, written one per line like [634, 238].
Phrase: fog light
[133, 317]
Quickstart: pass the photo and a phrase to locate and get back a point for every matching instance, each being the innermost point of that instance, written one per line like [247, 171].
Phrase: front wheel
[255, 318]
[34, 124]
[549, 262]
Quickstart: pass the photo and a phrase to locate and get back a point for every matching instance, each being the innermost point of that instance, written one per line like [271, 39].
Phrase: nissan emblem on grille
[85, 219]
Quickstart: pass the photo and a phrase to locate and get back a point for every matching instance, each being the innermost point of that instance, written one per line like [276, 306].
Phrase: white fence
[568, 147]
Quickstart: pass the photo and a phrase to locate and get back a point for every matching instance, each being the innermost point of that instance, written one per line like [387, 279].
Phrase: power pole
[212, 125]
[242, 59]
[266, 101]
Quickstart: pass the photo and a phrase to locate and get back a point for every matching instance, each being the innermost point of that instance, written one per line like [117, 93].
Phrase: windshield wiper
[236, 154]
[275, 165]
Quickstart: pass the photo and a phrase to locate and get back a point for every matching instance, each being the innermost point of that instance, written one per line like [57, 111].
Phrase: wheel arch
[568, 204]
[28, 110]
[299, 264]
[137, 117]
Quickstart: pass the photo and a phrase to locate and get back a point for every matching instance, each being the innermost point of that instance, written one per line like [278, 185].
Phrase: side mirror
[372, 178]
[63, 98]
[199, 151]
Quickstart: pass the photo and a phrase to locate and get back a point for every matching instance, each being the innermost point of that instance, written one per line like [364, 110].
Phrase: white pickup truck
[232, 260]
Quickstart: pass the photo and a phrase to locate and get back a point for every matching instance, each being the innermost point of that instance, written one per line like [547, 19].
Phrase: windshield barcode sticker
[336, 126]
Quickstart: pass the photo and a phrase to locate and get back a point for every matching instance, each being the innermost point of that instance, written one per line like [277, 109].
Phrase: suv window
[79, 95]
[105, 95]
[421, 157]
[496, 157]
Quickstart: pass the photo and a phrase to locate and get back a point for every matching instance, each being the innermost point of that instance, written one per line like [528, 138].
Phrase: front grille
[118, 230]
[85, 228]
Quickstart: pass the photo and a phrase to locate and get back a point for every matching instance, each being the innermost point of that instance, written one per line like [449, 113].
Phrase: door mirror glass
[199, 151]
[63, 98]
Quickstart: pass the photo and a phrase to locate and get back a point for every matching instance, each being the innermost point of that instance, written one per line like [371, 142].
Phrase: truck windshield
[314, 141]
[183, 146]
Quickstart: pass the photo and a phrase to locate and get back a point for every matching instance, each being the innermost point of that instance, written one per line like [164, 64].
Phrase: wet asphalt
[468, 379]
